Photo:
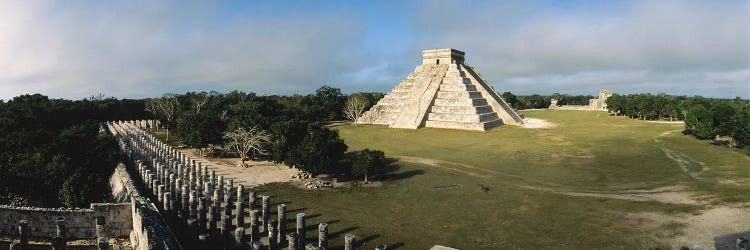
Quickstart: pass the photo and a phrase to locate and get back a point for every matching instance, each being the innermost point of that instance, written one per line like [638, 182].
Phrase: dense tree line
[705, 118]
[296, 125]
[52, 152]
[543, 102]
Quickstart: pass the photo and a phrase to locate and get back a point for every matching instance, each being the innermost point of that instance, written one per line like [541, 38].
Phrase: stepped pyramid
[443, 92]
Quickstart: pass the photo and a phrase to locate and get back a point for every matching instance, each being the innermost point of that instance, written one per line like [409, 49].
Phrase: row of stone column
[212, 206]
[59, 241]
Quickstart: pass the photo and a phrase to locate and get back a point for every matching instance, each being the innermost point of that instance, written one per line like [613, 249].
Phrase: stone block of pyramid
[443, 92]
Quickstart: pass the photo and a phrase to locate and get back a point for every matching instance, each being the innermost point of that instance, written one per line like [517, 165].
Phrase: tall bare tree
[201, 99]
[355, 106]
[165, 107]
[247, 142]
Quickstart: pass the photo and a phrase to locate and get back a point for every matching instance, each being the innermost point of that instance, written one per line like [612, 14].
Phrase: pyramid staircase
[460, 106]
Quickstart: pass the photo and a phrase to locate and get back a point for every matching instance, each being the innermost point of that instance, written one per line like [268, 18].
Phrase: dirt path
[537, 123]
[260, 172]
[671, 194]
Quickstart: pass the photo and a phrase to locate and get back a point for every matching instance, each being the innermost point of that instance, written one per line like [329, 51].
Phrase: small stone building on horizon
[599, 103]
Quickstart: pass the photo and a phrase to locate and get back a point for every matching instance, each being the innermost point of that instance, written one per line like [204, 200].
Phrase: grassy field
[568, 187]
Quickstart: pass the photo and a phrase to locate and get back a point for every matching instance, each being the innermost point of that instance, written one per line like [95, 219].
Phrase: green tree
[331, 100]
[699, 122]
[319, 151]
[368, 162]
[510, 98]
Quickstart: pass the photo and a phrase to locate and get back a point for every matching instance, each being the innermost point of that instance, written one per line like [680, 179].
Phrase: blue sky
[133, 49]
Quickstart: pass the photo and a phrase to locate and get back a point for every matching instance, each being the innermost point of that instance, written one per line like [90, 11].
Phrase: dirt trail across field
[259, 172]
[671, 194]
[701, 229]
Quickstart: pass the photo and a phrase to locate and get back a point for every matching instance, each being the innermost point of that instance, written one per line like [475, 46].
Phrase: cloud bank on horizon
[143, 49]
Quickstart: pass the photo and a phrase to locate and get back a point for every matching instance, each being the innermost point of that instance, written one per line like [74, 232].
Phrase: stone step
[461, 109]
[390, 100]
[480, 126]
[462, 117]
[406, 87]
[459, 94]
[456, 80]
[382, 118]
[456, 73]
[457, 87]
[398, 94]
[386, 108]
[460, 102]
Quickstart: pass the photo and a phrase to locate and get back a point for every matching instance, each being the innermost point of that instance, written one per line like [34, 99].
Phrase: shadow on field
[396, 245]
[729, 241]
[388, 173]
[363, 241]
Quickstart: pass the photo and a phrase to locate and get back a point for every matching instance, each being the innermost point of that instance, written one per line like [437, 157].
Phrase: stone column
[271, 227]
[202, 218]
[216, 198]
[226, 229]
[239, 238]
[240, 193]
[60, 226]
[220, 188]
[254, 225]
[251, 200]
[103, 243]
[204, 244]
[291, 240]
[58, 243]
[171, 184]
[180, 169]
[199, 188]
[323, 235]
[23, 234]
[168, 203]
[160, 192]
[177, 193]
[227, 205]
[281, 217]
[265, 212]
[213, 178]
[101, 231]
[208, 192]
[190, 175]
[301, 230]
[147, 177]
[205, 173]
[185, 203]
[239, 214]
[155, 185]
[213, 217]
[193, 205]
[349, 241]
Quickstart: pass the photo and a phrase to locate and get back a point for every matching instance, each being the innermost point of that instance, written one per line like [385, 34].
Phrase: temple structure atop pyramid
[443, 92]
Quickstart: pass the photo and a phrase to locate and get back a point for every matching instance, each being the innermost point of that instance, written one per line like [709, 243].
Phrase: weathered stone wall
[149, 228]
[122, 185]
[80, 223]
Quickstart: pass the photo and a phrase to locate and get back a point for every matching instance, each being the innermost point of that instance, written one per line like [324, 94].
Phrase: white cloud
[140, 49]
[145, 49]
[641, 44]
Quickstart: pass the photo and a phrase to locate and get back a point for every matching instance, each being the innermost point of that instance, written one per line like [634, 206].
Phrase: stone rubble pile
[318, 184]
